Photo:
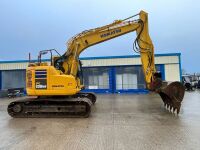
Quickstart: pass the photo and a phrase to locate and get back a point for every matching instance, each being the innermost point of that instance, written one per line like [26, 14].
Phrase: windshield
[187, 79]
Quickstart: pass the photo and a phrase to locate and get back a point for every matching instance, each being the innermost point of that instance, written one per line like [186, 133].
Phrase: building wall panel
[172, 72]
[128, 61]
[13, 66]
[101, 62]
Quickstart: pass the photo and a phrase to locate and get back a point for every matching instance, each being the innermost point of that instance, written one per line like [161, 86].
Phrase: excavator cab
[44, 52]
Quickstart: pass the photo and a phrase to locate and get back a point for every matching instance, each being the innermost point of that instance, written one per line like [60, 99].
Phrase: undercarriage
[78, 105]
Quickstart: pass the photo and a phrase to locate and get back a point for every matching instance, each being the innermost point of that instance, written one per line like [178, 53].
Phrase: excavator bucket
[172, 96]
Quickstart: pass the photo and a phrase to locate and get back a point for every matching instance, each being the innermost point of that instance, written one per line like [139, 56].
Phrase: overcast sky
[29, 26]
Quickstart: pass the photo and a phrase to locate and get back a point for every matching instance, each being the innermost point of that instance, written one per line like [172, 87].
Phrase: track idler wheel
[14, 109]
[17, 108]
[172, 96]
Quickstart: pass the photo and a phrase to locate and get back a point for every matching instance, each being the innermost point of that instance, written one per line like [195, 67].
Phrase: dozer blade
[172, 96]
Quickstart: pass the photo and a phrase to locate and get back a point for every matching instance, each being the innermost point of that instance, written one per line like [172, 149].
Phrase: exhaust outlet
[172, 96]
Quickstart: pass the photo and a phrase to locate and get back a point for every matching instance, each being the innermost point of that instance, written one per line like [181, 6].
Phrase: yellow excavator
[55, 88]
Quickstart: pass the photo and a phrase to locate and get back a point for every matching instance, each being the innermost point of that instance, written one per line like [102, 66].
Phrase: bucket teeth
[170, 108]
[167, 106]
[178, 110]
[174, 110]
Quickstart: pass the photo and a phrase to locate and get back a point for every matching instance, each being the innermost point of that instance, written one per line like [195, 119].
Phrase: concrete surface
[117, 122]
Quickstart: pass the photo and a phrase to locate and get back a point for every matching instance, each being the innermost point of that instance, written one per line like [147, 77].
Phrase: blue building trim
[112, 77]
[162, 69]
[128, 56]
[0, 79]
[102, 57]
[138, 91]
[163, 72]
[180, 67]
[97, 90]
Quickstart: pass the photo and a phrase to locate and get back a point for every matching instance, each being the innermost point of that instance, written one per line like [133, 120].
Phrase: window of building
[131, 77]
[13, 79]
[96, 78]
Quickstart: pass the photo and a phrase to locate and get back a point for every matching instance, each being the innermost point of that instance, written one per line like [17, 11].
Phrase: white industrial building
[111, 74]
